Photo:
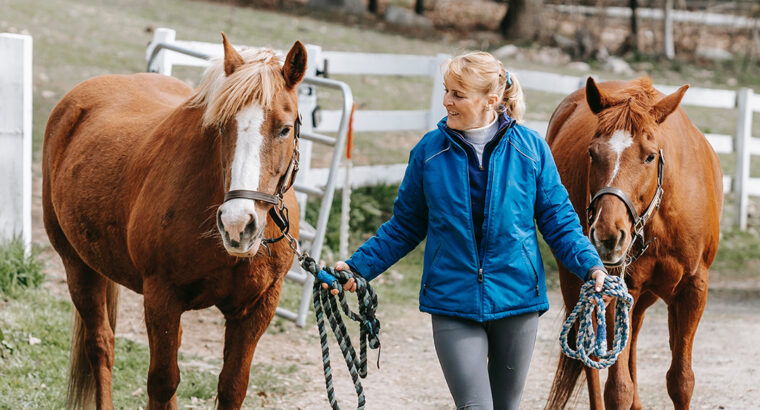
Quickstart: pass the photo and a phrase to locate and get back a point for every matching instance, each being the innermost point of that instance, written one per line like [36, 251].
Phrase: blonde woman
[477, 187]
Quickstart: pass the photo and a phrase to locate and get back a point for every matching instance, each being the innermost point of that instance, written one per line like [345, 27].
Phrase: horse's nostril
[250, 228]
[621, 238]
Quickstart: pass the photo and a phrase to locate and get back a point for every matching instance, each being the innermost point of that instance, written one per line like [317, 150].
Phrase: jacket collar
[505, 122]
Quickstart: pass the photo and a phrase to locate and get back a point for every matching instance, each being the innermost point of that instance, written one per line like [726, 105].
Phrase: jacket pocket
[529, 262]
[426, 272]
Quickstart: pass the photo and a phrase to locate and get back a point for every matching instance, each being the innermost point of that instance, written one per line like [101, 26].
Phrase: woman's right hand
[350, 285]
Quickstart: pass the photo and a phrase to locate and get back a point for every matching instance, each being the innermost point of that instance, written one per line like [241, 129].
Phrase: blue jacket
[508, 277]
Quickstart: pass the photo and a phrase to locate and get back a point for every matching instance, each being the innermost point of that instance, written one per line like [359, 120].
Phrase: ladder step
[309, 190]
[320, 138]
[286, 314]
[297, 275]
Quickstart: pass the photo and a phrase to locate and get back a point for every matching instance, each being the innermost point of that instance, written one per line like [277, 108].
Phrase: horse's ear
[595, 98]
[232, 59]
[668, 104]
[295, 65]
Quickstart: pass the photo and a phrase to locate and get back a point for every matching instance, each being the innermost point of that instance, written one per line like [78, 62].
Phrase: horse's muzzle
[240, 239]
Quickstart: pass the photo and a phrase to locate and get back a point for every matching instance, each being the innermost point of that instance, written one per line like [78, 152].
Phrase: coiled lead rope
[587, 342]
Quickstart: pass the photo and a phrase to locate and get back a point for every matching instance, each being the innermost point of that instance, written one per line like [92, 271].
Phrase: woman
[477, 186]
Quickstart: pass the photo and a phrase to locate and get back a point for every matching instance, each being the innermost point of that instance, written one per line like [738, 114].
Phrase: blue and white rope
[326, 307]
[587, 342]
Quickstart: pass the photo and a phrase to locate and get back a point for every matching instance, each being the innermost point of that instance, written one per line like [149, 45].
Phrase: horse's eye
[284, 132]
[591, 153]
[649, 159]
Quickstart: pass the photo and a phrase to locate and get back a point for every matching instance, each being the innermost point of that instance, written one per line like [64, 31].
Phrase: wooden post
[743, 135]
[16, 137]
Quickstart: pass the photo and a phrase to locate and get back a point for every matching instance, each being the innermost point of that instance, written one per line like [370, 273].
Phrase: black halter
[278, 212]
[639, 221]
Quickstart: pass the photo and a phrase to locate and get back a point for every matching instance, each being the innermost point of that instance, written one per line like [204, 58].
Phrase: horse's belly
[88, 194]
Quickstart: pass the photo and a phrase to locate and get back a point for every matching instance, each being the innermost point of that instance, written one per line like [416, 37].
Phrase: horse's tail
[81, 380]
[565, 381]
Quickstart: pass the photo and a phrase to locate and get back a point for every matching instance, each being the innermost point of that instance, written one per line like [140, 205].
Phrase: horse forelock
[256, 81]
[630, 110]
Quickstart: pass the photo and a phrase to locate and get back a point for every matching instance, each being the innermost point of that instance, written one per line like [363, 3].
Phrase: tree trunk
[633, 39]
[668, 49]
[522, 21]
[419, 6]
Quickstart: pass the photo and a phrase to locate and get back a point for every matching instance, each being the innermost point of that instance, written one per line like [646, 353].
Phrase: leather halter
[639, 221]
[278, 212]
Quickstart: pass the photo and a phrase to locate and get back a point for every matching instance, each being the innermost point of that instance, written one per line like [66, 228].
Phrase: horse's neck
[181, 152]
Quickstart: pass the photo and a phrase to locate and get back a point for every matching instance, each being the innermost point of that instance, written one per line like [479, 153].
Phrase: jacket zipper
[469, 207]
[487, 205]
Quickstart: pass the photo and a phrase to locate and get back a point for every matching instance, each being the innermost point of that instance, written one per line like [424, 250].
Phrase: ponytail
[512, 99]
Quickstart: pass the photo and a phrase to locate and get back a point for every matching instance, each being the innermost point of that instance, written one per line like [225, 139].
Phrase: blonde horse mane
[257, 80]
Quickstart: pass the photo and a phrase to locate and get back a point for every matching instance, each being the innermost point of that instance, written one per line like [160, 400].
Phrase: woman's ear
[493, 99]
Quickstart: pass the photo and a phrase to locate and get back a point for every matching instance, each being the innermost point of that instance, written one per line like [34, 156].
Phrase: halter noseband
[639, 221]
[279, 212]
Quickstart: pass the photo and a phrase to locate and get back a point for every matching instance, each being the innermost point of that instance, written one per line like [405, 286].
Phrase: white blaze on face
[245, 170]
[619, 141]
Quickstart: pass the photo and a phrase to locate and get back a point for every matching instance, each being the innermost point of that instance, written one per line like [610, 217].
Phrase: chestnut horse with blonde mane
[135, 170]
[649, 189]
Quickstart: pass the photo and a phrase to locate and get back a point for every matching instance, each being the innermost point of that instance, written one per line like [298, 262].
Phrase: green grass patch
[18, 270]
[34, 355]
[738, 255]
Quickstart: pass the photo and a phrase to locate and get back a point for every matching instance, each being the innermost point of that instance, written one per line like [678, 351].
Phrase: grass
[18, 270]
[34, 351]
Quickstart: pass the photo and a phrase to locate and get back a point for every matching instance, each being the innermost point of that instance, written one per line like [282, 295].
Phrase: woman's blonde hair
[480, 71]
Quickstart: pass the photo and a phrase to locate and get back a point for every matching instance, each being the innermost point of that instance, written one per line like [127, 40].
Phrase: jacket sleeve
[403, 232]
[558, 222]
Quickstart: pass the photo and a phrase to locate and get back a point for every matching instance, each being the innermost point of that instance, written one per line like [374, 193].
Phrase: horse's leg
[162, 320]
[594, 388]
[89, 291]
[637, 319]
[684, 312]
[240, 338]
[619, 390]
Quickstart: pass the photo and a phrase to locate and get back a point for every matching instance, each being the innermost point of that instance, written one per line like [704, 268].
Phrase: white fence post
[162, 64]
[743, 152]
[16, 137]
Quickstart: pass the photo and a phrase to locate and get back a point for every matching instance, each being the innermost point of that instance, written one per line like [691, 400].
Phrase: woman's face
[466, 108]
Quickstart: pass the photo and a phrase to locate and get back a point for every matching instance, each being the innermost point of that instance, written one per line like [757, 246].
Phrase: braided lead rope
[326, 307]
[588, 343]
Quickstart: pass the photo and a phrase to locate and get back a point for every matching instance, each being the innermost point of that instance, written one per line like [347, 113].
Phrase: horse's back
[92, 136]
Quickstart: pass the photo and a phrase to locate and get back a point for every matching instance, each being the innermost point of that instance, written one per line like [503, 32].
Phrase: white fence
[741, 142]
[16, 137]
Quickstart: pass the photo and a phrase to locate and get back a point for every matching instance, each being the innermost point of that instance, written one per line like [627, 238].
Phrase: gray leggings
[485, 364]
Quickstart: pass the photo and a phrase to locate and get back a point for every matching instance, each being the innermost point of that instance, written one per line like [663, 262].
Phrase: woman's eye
[284, 132]
[649, 159]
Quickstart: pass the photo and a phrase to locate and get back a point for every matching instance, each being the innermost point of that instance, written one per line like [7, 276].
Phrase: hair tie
[509, 77]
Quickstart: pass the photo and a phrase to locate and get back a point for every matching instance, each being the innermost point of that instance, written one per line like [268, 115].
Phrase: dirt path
[725, 358]
[726, 355]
